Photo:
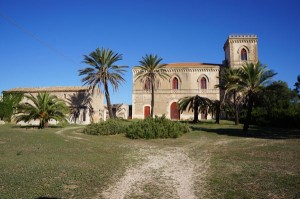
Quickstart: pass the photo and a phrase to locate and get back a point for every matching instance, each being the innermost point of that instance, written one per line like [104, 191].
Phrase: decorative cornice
[192, 70]
[139, 92]
[242, 40]
[185, 70]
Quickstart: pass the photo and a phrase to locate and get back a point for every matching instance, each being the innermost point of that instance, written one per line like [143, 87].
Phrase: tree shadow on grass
[254, 132]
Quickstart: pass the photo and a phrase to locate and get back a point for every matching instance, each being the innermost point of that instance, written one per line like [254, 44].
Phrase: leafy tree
[275, 95]
[153, 71]
[102, 72]
[43, 107]
[194, 103]
[229, 83]
[80, 101]
[297, 86]
[276, 106]
[253, 78]
[8, 105]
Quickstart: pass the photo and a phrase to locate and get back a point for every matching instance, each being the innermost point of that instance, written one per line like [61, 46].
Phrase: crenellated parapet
[240, 39]
[243, 36]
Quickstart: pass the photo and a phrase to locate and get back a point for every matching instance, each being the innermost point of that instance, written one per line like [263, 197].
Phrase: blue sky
[42, 42]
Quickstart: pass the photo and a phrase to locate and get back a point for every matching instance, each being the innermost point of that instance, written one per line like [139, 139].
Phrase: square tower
[240, 49]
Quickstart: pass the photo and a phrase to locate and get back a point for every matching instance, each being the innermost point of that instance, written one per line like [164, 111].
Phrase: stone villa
[75, 96]
[190, 79]
[185, 79]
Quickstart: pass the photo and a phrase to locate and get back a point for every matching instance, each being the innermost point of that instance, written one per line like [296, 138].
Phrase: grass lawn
[67, 164]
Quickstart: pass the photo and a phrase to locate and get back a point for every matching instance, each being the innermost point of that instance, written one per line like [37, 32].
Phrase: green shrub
[159, 127]
[283, 118]
[109, 127]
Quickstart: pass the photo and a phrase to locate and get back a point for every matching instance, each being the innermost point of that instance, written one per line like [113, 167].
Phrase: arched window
[175, 83]
[203, 83]
[147, 85]
[244, 54]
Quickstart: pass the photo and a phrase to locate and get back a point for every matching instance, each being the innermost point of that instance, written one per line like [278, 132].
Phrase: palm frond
[43, 107]
[103, 72]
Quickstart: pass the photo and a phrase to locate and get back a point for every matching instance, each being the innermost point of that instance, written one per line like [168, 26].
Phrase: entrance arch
[146, 112]
[175, 113]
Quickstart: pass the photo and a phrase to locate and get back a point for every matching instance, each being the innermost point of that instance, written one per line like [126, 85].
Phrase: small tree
[215, 109]
[8, 105]
[194, 103]
[43, 107]
[229, 83]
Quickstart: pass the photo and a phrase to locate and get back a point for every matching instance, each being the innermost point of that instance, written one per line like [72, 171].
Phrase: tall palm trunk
[218, 111]
[236, 117]
[196, 112]
[249, 111]
[110, 112]
[152, 98]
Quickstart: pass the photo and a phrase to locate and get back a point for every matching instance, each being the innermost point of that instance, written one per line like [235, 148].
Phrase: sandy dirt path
[168, 173]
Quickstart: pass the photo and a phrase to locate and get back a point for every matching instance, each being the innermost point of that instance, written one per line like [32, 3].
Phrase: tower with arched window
[240, 49]
[188, 79]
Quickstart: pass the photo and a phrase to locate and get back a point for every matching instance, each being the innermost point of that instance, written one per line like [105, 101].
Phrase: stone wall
[66, 93]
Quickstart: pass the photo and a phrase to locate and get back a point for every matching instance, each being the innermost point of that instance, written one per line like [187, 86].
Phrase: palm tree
[253, 78]
[153, 71]
[42, 107]
[195, 103]
[79, 101]
[215, 108]
[103, 71]
[229, 83]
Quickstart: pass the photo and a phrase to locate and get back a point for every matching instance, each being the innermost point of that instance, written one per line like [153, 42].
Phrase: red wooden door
[203, 115]
[146, 111]
[175, 114]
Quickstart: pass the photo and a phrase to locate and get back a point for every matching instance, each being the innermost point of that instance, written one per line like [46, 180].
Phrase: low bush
[158, 127]
[109, 127]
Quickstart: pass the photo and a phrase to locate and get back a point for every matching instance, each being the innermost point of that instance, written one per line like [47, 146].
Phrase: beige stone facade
[76, 93]
[190, 79]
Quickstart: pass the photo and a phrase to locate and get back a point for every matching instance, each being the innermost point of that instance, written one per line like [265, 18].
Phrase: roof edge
[47, 89]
